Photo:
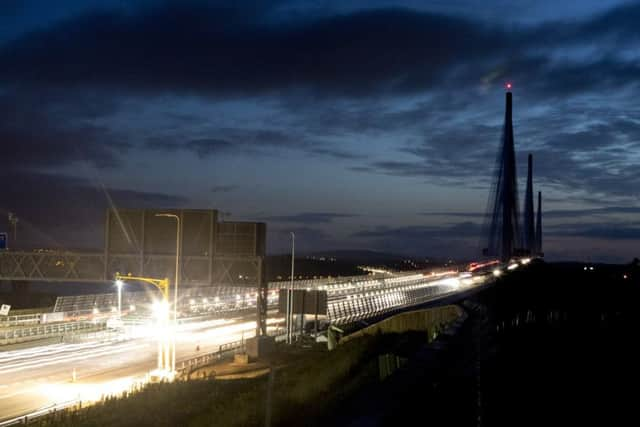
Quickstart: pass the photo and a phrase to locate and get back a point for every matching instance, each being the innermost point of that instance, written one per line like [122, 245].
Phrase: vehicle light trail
[33, 378]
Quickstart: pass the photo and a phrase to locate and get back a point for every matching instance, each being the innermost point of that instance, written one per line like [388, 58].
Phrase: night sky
[356, 124]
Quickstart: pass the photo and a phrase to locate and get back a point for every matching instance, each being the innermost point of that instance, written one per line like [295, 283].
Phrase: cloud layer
[324, 112]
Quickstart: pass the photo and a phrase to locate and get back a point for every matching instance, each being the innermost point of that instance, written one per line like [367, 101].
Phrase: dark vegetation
[308, 383]
[560, 346]
[553, 344]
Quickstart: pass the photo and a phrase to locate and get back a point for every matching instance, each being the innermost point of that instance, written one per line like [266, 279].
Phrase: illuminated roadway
[41, 376]
[38, 377]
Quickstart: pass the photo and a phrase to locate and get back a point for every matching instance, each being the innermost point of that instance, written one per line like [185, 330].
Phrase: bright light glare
[451, 282]
[525, 261]
[87, 392]
[161, 375]
[497, 272]
[119, 284]
[512, 267]
[160, 309]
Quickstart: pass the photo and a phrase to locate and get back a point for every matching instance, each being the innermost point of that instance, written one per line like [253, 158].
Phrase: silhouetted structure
[529, 237]
[538, 250]
[502, 214]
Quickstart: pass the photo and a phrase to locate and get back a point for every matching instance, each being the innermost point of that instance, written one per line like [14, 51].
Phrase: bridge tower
[501, 226]
[529, 237]
[539, 226]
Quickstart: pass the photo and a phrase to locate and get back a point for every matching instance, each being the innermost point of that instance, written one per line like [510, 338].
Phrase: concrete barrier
[419, 320]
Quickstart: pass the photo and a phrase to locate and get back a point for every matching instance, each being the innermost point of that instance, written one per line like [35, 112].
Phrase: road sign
[304, 301]
[4, 310]
[4, 240]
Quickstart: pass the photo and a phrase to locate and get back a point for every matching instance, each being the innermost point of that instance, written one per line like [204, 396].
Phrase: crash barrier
[419, 320]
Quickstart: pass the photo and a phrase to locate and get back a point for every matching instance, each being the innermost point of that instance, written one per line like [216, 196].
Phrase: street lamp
[119, 284]
[161, 311]
[290, 291]
[175, 292]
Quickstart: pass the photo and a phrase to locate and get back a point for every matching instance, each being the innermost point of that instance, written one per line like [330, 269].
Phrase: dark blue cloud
[309, 217]
[355, 92]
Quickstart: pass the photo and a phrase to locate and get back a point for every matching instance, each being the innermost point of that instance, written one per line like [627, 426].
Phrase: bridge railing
[30, 333]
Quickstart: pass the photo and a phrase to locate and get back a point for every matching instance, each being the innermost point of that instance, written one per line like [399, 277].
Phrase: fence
[30, 333]
[19, 319]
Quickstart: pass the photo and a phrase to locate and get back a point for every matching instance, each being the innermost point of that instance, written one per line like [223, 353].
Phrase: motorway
[39, 377]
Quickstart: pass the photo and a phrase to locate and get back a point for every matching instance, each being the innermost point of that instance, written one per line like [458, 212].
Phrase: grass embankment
[307, 383]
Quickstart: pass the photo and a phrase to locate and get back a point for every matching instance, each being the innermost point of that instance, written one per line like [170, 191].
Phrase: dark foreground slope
[552, 344]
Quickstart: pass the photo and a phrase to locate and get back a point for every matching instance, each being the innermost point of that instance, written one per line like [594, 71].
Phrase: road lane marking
[70, 358]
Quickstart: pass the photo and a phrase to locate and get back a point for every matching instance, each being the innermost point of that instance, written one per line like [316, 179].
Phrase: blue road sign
[3, 240]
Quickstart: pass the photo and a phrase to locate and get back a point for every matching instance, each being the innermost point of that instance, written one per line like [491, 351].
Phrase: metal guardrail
[29, 333]
[19, 319]
[25, 419]
[370, 304]
[194, 297]
[223, 351]
[86, 303]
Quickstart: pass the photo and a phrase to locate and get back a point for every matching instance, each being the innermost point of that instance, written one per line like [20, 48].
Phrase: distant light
[205, 301]
[625, 276]
[454, 282]
[95, 310]
[132, 308]
[591, 268]
[119, 284]
[192, 301]
[497, 272]
[508, 85]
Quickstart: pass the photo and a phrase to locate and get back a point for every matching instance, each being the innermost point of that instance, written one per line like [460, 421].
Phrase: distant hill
[359, 256]
[342, 263]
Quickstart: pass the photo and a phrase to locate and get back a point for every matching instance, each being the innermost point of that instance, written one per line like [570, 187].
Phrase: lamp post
[162, 313]
[290, 291]
[119, 284]
[175, 287]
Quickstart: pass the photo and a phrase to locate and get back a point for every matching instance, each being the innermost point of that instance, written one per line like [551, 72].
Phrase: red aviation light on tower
[508, 86]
